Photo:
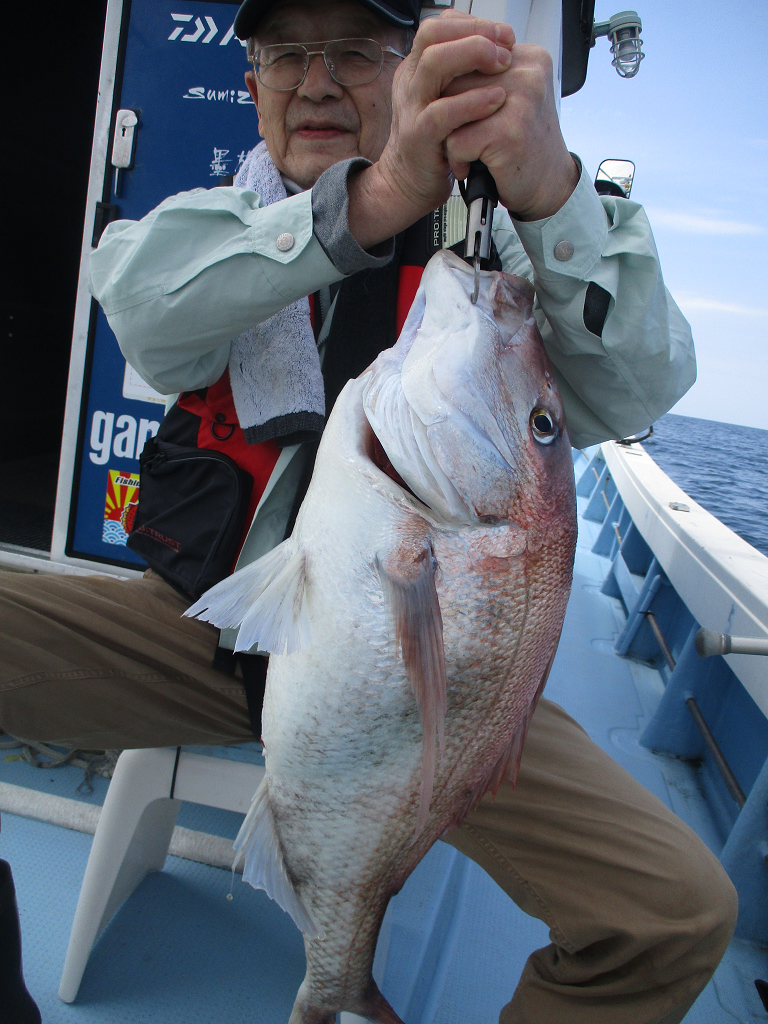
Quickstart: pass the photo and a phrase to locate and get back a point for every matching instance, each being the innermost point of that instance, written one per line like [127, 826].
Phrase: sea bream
[412, 618]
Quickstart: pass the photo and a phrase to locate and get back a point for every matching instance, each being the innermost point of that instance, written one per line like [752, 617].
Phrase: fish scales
[412, 617]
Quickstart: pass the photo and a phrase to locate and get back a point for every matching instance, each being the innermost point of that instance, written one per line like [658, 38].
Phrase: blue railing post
[744, 858]
[672, 730]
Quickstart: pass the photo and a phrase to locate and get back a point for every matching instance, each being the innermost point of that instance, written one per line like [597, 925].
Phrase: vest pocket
[192, 508]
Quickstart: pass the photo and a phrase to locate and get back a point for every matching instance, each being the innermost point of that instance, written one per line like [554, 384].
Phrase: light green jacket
[203, 267]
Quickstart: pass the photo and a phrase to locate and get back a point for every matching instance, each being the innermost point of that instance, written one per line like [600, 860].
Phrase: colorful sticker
[120, 506]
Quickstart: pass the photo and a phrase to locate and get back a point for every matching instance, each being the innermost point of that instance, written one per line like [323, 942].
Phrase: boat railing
[676, 570]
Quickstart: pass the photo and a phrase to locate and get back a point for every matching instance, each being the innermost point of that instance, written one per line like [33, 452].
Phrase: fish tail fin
[265, 599]
[303, 1014]
[306, 1010]
[258, 845]
[372, 1006]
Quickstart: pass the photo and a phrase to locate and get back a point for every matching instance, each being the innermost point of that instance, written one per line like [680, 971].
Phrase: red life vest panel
[218, 429]
[215, 420]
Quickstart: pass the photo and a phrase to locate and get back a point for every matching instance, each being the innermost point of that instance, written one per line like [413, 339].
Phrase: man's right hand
[413, 175]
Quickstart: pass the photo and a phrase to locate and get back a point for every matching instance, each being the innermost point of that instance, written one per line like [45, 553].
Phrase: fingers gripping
[428, 102]
[449, 51]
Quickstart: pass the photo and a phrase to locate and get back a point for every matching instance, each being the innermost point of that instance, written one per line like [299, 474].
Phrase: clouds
[701, 222]
[696, 130]
[700, 304]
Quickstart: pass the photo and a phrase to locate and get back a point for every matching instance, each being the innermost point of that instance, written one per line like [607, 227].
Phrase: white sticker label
[135, 387]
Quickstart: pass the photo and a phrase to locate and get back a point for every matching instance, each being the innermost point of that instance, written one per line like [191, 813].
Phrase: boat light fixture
[624, 30]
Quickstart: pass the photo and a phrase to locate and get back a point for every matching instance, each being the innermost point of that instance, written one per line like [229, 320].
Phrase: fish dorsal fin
[258, 845]
[266, 599]
[408, 578]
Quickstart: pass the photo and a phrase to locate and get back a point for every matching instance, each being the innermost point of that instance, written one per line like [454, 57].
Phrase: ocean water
[722, 466]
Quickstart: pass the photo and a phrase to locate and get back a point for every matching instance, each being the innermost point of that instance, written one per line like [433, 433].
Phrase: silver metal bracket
[478, 241]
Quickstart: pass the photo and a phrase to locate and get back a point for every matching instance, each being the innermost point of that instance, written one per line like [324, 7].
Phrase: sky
[695, 122]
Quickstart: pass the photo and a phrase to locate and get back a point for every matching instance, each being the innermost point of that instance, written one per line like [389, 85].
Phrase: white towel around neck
[274, 367]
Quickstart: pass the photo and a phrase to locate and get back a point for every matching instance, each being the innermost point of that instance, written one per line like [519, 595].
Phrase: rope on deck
[93, 762]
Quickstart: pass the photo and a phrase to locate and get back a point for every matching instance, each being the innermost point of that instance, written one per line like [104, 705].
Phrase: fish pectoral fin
[258, 845]
[265, 599]
[408, 577]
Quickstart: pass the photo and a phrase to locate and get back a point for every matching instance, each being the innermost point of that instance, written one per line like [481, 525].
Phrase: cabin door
[173, 96]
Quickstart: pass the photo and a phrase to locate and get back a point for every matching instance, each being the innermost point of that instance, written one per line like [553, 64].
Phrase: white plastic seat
[135, 829]
[134, 833]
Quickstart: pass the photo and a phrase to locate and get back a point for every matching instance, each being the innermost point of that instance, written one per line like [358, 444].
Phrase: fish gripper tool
[481, 196]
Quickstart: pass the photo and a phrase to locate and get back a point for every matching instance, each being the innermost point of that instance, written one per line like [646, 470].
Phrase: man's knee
[715, 906]
[651, 971]
[699, 922]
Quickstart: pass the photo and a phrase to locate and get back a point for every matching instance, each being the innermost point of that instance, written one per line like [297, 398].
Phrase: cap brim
[404, 20]
[247, 18]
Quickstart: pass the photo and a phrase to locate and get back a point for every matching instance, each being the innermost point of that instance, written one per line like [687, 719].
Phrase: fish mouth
[442, 499]
[374, 449]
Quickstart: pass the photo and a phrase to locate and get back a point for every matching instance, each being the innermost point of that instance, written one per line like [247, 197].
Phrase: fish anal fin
[407, 574]
[258, 845]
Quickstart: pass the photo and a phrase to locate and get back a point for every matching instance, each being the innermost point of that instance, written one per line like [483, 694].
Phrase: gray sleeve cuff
[330, 216]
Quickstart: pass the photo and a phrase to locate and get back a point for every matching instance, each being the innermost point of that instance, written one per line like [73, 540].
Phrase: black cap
[400, 12]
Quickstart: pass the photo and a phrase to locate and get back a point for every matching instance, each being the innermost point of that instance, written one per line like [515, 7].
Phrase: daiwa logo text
[194, 33]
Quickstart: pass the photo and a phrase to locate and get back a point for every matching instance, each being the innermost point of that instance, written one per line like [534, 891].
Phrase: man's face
[313, 127]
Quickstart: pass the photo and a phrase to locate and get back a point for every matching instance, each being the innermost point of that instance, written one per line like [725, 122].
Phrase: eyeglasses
[284, 66]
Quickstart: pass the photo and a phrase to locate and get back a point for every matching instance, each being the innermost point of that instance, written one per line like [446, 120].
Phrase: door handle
[124, 144]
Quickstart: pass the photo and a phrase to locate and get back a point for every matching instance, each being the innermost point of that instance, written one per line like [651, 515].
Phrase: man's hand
[413, 174]
[466, 92]
[520, 143]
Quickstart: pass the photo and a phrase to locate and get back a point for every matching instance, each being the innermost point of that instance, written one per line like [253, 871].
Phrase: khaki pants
[639, 911]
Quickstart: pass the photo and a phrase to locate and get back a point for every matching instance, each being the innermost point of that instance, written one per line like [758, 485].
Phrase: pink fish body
[412, 617]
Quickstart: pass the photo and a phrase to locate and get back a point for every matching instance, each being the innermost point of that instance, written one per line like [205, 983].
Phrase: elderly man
[365, 122]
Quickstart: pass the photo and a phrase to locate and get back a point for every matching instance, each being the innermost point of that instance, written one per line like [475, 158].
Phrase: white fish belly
[343, 733]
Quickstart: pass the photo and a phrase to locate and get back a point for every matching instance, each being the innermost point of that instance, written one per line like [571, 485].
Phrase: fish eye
[543, 426]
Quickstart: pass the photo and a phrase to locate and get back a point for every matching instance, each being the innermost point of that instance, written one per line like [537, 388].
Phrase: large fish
[412, 617]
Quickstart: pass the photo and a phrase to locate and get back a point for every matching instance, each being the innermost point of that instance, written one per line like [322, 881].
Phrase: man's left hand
[520, 143]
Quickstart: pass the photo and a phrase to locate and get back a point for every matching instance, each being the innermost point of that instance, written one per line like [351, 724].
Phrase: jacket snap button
[564, 251]
[285, 241]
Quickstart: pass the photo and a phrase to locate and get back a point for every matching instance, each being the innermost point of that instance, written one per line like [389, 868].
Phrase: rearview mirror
[614, 178]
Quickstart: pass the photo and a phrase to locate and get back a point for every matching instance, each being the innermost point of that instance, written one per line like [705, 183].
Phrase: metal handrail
[718, 757]
[726, 772]
[710, 643]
